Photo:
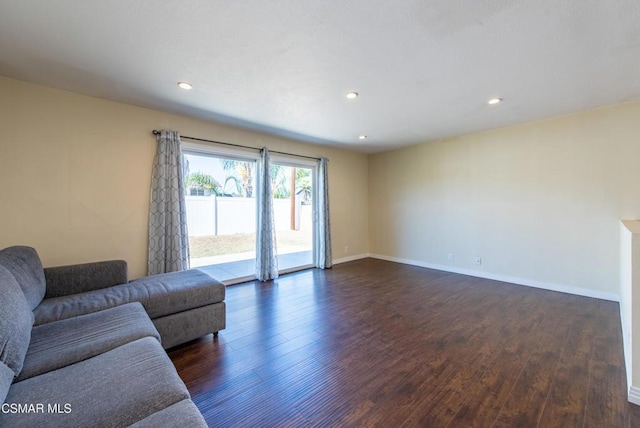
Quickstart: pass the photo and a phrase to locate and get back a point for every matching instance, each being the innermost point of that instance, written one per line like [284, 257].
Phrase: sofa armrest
[72, 279]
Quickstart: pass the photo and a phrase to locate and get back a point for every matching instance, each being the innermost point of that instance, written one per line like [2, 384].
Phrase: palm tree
[201, 181]
[279, 181]
[303, 183]
[241, 173]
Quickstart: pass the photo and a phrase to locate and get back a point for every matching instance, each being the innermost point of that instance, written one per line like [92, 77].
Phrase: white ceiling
[424, 69]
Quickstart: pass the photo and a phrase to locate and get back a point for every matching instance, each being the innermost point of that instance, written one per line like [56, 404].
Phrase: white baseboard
[634, 395]
[504, 278]
[350, 258]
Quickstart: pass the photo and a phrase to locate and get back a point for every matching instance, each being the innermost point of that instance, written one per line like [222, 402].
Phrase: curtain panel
[168, 236]
[266, 252]
[323, 249]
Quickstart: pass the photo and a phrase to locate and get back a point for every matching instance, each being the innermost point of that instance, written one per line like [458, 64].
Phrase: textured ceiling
[424, 69]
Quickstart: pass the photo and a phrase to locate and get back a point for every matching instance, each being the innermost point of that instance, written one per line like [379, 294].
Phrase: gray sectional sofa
[81, 346]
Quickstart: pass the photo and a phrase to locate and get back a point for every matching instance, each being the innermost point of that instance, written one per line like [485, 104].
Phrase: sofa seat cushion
[160, 295]
[61, 343]
[16, 321]
[25, 266]
[117, 388]
[180, 415]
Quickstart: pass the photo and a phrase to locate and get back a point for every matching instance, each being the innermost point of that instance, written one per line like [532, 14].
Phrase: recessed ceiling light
[185, 85]
[493, 101]
[352, 95]
[362, 137]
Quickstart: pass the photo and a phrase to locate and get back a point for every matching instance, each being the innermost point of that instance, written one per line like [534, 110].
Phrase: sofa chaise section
[182, 305]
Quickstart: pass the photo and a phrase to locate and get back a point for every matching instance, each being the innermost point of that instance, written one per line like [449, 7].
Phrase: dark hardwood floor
[374, 343]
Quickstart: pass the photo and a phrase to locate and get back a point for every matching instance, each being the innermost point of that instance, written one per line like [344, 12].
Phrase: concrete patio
[230, 272]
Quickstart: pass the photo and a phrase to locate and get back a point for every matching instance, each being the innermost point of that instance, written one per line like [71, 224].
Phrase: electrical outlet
[450, 257]
[346, 249]
[478, 260]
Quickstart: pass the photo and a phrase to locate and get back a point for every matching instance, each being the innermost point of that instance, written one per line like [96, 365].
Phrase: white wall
[540, 203]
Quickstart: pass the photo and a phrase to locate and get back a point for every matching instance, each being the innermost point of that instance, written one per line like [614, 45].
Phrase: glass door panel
[293, 214]
[221, 215]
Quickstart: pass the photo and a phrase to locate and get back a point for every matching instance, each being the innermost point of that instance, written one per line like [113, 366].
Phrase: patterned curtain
[266, 254]
[168, 238]
[323, 250]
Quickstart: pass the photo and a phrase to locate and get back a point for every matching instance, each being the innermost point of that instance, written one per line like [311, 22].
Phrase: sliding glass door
[293, 206]
[221, 214]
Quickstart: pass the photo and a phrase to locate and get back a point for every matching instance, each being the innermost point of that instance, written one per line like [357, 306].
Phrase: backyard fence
[213, 215]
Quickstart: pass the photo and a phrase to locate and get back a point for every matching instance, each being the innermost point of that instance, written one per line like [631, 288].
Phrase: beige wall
[539, 202]
[75, 174]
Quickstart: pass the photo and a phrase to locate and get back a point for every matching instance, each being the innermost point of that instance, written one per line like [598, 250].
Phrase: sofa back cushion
[25, 266]
[16, 321]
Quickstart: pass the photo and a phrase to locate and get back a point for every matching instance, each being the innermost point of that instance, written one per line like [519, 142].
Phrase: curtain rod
[156, 132]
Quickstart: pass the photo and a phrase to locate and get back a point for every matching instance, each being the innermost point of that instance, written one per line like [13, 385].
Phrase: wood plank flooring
[375, 343]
